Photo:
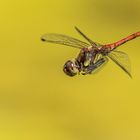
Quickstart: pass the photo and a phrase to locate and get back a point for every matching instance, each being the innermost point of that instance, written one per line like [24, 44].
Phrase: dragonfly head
[71, 68]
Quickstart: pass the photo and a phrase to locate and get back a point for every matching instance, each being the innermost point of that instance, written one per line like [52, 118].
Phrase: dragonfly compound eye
[70, 68]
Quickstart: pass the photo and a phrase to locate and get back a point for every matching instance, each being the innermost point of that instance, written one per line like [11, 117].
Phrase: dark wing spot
[43, 39]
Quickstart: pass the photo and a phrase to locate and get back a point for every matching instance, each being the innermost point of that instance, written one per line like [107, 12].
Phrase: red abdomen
[122, 41]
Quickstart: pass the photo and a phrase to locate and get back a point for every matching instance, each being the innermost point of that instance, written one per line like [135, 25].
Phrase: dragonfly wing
[95, 44]
[122, 60]
[64, 40]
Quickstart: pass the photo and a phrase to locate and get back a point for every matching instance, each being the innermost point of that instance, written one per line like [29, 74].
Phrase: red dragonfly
[92, 55]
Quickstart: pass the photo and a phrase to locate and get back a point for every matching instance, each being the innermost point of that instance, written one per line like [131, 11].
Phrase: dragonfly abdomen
[122, 41]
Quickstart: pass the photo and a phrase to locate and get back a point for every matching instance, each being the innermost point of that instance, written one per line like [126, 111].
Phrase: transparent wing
[95, 44]
[88, 39]
[122, 60]
[64, 40]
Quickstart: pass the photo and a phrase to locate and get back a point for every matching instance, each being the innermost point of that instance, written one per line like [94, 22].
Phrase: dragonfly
[92, 56]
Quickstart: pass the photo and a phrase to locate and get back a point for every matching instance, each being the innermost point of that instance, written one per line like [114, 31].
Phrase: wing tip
[75, 27]
[42, 39]
[130, 76]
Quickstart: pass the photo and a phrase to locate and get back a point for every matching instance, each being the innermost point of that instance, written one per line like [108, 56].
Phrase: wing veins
[64, 40]
[118, 57]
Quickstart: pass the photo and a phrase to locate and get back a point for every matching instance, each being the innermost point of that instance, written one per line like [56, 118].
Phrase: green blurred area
[38, 101]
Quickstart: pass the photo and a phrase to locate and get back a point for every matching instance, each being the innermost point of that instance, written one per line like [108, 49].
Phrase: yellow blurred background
[38, 101]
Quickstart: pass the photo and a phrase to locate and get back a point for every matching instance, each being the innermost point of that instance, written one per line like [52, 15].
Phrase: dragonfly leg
[95, 66]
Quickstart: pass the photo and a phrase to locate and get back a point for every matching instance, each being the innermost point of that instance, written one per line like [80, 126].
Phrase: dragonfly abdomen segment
[122, 41]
